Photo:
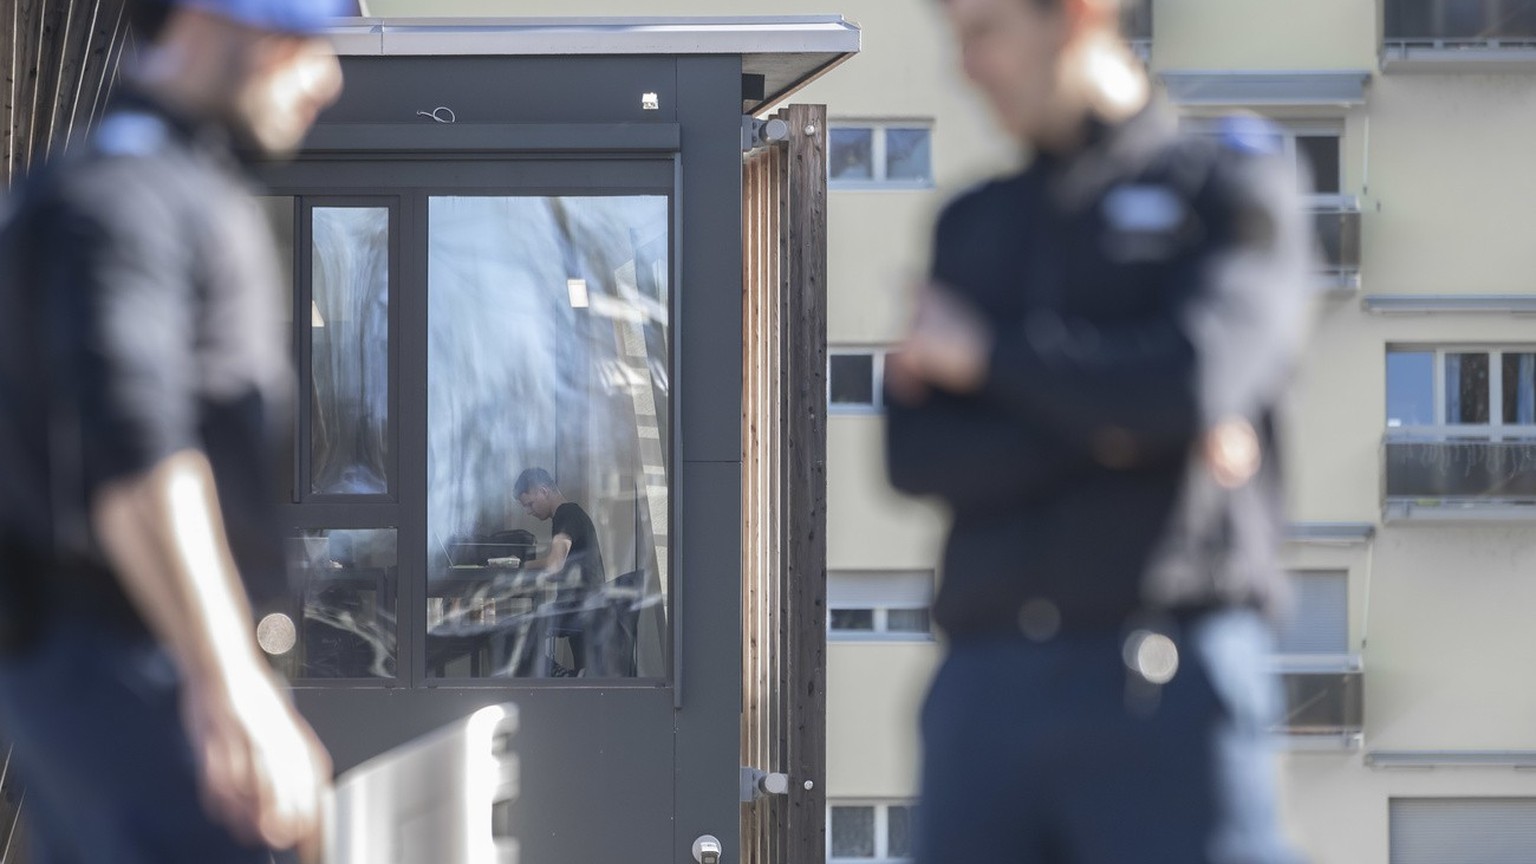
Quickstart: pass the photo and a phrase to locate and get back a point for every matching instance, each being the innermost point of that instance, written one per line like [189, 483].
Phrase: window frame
[1316, 662]
[879, 168]
[1290, 130]
[882, 829]
[876, 404]
[1439, 430]
[881, 608]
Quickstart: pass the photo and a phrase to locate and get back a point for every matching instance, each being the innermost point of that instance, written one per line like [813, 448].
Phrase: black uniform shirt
[1139, 291]
[586, 554]
[153, 280]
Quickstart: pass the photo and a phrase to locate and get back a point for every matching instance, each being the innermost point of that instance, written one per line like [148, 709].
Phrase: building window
[879, 606]
[1316, 146]
[869, 832]
[1462, 392]
[855, 379]
[1485, 830]
[1317, 622]
[896, 154]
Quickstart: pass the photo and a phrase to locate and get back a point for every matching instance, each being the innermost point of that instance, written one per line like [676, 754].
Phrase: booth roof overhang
[788, 51]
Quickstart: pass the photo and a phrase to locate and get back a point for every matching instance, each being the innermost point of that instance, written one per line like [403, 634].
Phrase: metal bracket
[757, 783]
[757, 133]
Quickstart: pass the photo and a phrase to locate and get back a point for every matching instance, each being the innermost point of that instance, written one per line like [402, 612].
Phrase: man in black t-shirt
[574, 556]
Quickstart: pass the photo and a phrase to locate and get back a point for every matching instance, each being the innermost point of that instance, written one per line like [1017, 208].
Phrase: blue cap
[302, 17]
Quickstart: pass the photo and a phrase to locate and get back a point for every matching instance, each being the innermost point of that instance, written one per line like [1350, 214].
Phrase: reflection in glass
[908, 154]
[1410, 388]
[1466, 388]
[907, 621]
[852, 378]
[1519, 384]
[525, 371]
[851, 154]
[349, 327]
[853, 832]
[898, 832]
[345, 588]
[853, 619]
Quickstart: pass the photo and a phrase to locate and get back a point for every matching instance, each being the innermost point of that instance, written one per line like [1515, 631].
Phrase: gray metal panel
[1342, 533]
[789, 51]
[506, 89]
[1267, 88]
[804, 34]
[583, 753]
[1417, 304]
[1451, 759]
[709, 285]
[708, 574]
[551, 138]
[1463, 830]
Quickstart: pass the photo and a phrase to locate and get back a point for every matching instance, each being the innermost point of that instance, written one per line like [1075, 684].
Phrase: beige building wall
[1437, 611]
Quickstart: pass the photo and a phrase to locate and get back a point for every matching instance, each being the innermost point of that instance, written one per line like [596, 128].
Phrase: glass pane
[1321, 153]
[1466, 388]
[1410, 388]
[1519, 386]
[1463, 19]
[852, 154]
[898, 833]
[278, 210]
[853, 619]
[907, 620]
[547, 463]
[908, 154]
[853, 832]
[349, 334]
[851, 379]
[345, 585]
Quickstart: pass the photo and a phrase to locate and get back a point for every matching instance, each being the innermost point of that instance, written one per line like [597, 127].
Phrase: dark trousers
[1056, 752]
[100, 747]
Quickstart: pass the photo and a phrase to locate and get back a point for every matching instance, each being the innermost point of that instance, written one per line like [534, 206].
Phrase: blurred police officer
[143, 370]
[1091, 384]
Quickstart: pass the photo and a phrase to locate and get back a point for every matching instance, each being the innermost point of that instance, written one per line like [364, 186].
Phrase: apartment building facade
[1412, 466]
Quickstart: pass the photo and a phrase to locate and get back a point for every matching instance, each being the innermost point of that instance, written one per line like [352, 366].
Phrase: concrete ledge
[1466, 304]
[1430, 759]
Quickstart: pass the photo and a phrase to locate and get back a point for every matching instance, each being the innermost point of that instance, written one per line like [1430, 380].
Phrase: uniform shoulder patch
[1248, 133]
[130, 134]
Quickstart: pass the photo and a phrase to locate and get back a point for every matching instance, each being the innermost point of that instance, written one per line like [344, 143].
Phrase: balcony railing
[1458, 30]
[1337, 222]
[1476, 469]
[1136, 25]
[1324, 698]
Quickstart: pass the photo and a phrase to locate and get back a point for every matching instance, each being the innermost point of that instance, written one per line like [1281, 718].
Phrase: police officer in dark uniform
[143, 371]
[1091, 384]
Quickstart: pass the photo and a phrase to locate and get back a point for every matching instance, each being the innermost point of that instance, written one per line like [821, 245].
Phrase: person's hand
[948, 348]
[1232, 452]
[264, 773]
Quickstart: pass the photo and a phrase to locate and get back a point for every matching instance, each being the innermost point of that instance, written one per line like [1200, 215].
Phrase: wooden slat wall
[59, 59]
[784, 489]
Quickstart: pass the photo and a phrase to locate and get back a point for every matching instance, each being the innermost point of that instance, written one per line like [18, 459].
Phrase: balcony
[1136, 26]
[1324, 700]
[1337, 222]
[1459, 35]
[1434, 474]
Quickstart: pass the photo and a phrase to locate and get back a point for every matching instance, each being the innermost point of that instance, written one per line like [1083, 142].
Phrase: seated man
[574, 556]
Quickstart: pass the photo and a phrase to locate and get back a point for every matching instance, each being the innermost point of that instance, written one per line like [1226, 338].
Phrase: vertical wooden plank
[806, 481]
[24, 64]
[8, 45]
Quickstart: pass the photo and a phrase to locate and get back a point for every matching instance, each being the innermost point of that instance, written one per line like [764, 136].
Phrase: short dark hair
[532, 479]
[146, 18]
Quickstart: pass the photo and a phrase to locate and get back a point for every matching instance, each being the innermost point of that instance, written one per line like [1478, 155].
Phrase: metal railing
[1323, 702]
[1337, 224]
[1435, 468]
[1455, 24]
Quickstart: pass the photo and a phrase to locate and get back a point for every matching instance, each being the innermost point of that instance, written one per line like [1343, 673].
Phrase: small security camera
[706, 849]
